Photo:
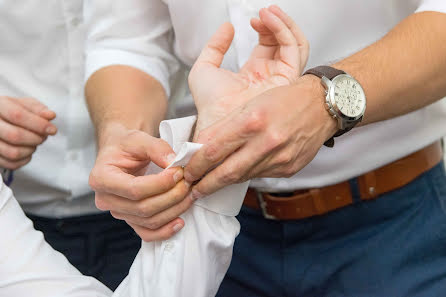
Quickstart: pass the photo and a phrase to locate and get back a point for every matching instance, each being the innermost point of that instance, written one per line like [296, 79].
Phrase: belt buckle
[262, 204]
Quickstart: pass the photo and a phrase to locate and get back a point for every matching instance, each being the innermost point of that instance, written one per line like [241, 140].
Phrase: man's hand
[273, 135]
[264, 122]
[24, 124]
[280, 131]
[277, 60]
[150, 204]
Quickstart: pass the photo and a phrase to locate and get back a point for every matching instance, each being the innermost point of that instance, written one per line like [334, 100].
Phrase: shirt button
[169, 247]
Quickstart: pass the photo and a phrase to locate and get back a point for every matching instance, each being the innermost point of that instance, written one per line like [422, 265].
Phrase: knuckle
[145, 209]
[255, 122]
[230, 177]
[275, 139]
[152, 223]
[211, 153]
[284, 159]
[15, 115]
[14, 136]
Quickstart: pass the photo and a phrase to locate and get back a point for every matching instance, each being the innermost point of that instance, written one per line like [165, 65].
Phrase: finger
[147, 207]
[233, 170]
[15, 153]
[289, 22]
[289, 51]
[160, 234]
[160, 219]
[146, 147]
[113, 180]
[37, 107]
[13, 165]
[17, 115]
[19, 136]
[220, 140]
[217, 46]
[304, 46]
[266, 37]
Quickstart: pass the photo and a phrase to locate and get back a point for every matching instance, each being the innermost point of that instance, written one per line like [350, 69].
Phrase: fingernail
[170, 158]
[187, 184]
[178, 175]
[177, 227]
[51, 130]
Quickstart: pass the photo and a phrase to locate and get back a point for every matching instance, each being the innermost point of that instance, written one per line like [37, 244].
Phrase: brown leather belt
[307, 203]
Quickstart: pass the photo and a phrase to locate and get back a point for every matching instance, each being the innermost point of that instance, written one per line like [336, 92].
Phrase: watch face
[348, 96]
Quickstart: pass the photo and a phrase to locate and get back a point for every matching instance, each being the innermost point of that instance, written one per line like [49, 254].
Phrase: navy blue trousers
[98, 245]
[389, 247]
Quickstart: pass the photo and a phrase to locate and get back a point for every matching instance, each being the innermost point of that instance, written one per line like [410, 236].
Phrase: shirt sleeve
[136, 33]
[432, 5]
[30, 266]
[194, 261]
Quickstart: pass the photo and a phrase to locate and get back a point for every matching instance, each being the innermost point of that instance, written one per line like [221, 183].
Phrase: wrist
[329, 125]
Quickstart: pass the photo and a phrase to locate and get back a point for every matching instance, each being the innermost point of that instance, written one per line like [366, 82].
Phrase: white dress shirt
[191, 263]
[42, 56]
[138, 33]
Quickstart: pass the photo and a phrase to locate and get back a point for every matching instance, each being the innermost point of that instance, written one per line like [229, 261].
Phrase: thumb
[216, 48]
[143, 146]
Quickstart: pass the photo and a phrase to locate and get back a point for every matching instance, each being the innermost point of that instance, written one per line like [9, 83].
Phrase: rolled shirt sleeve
[136, 33]
[432, 5]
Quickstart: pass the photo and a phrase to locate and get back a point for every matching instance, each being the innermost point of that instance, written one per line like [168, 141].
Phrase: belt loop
[368, 186]
[263, 206]
[319, 204]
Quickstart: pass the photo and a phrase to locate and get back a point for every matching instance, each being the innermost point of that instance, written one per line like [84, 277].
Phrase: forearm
[403, 71]
[122, 97]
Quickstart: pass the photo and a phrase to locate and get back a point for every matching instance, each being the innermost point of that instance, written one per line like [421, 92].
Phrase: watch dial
[349, 96]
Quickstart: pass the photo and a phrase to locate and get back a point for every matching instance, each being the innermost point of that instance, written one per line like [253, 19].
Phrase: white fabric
[335, 29]
[29, 266]
[194, 261]
[191, 263]
[41, 56]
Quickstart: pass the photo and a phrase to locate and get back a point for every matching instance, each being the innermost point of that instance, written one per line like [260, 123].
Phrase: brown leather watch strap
[330, 73]
[327, 71]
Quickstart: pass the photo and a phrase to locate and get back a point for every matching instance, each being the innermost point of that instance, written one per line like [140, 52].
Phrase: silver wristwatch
[345, 99]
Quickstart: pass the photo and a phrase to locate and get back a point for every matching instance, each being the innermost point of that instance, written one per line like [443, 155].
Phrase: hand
[24, 124]
[277, 60]
[150, 204]
[273, 135]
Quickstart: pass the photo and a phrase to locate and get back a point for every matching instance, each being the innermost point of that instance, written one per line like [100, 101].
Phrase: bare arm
[124, 97]
[403, 71]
